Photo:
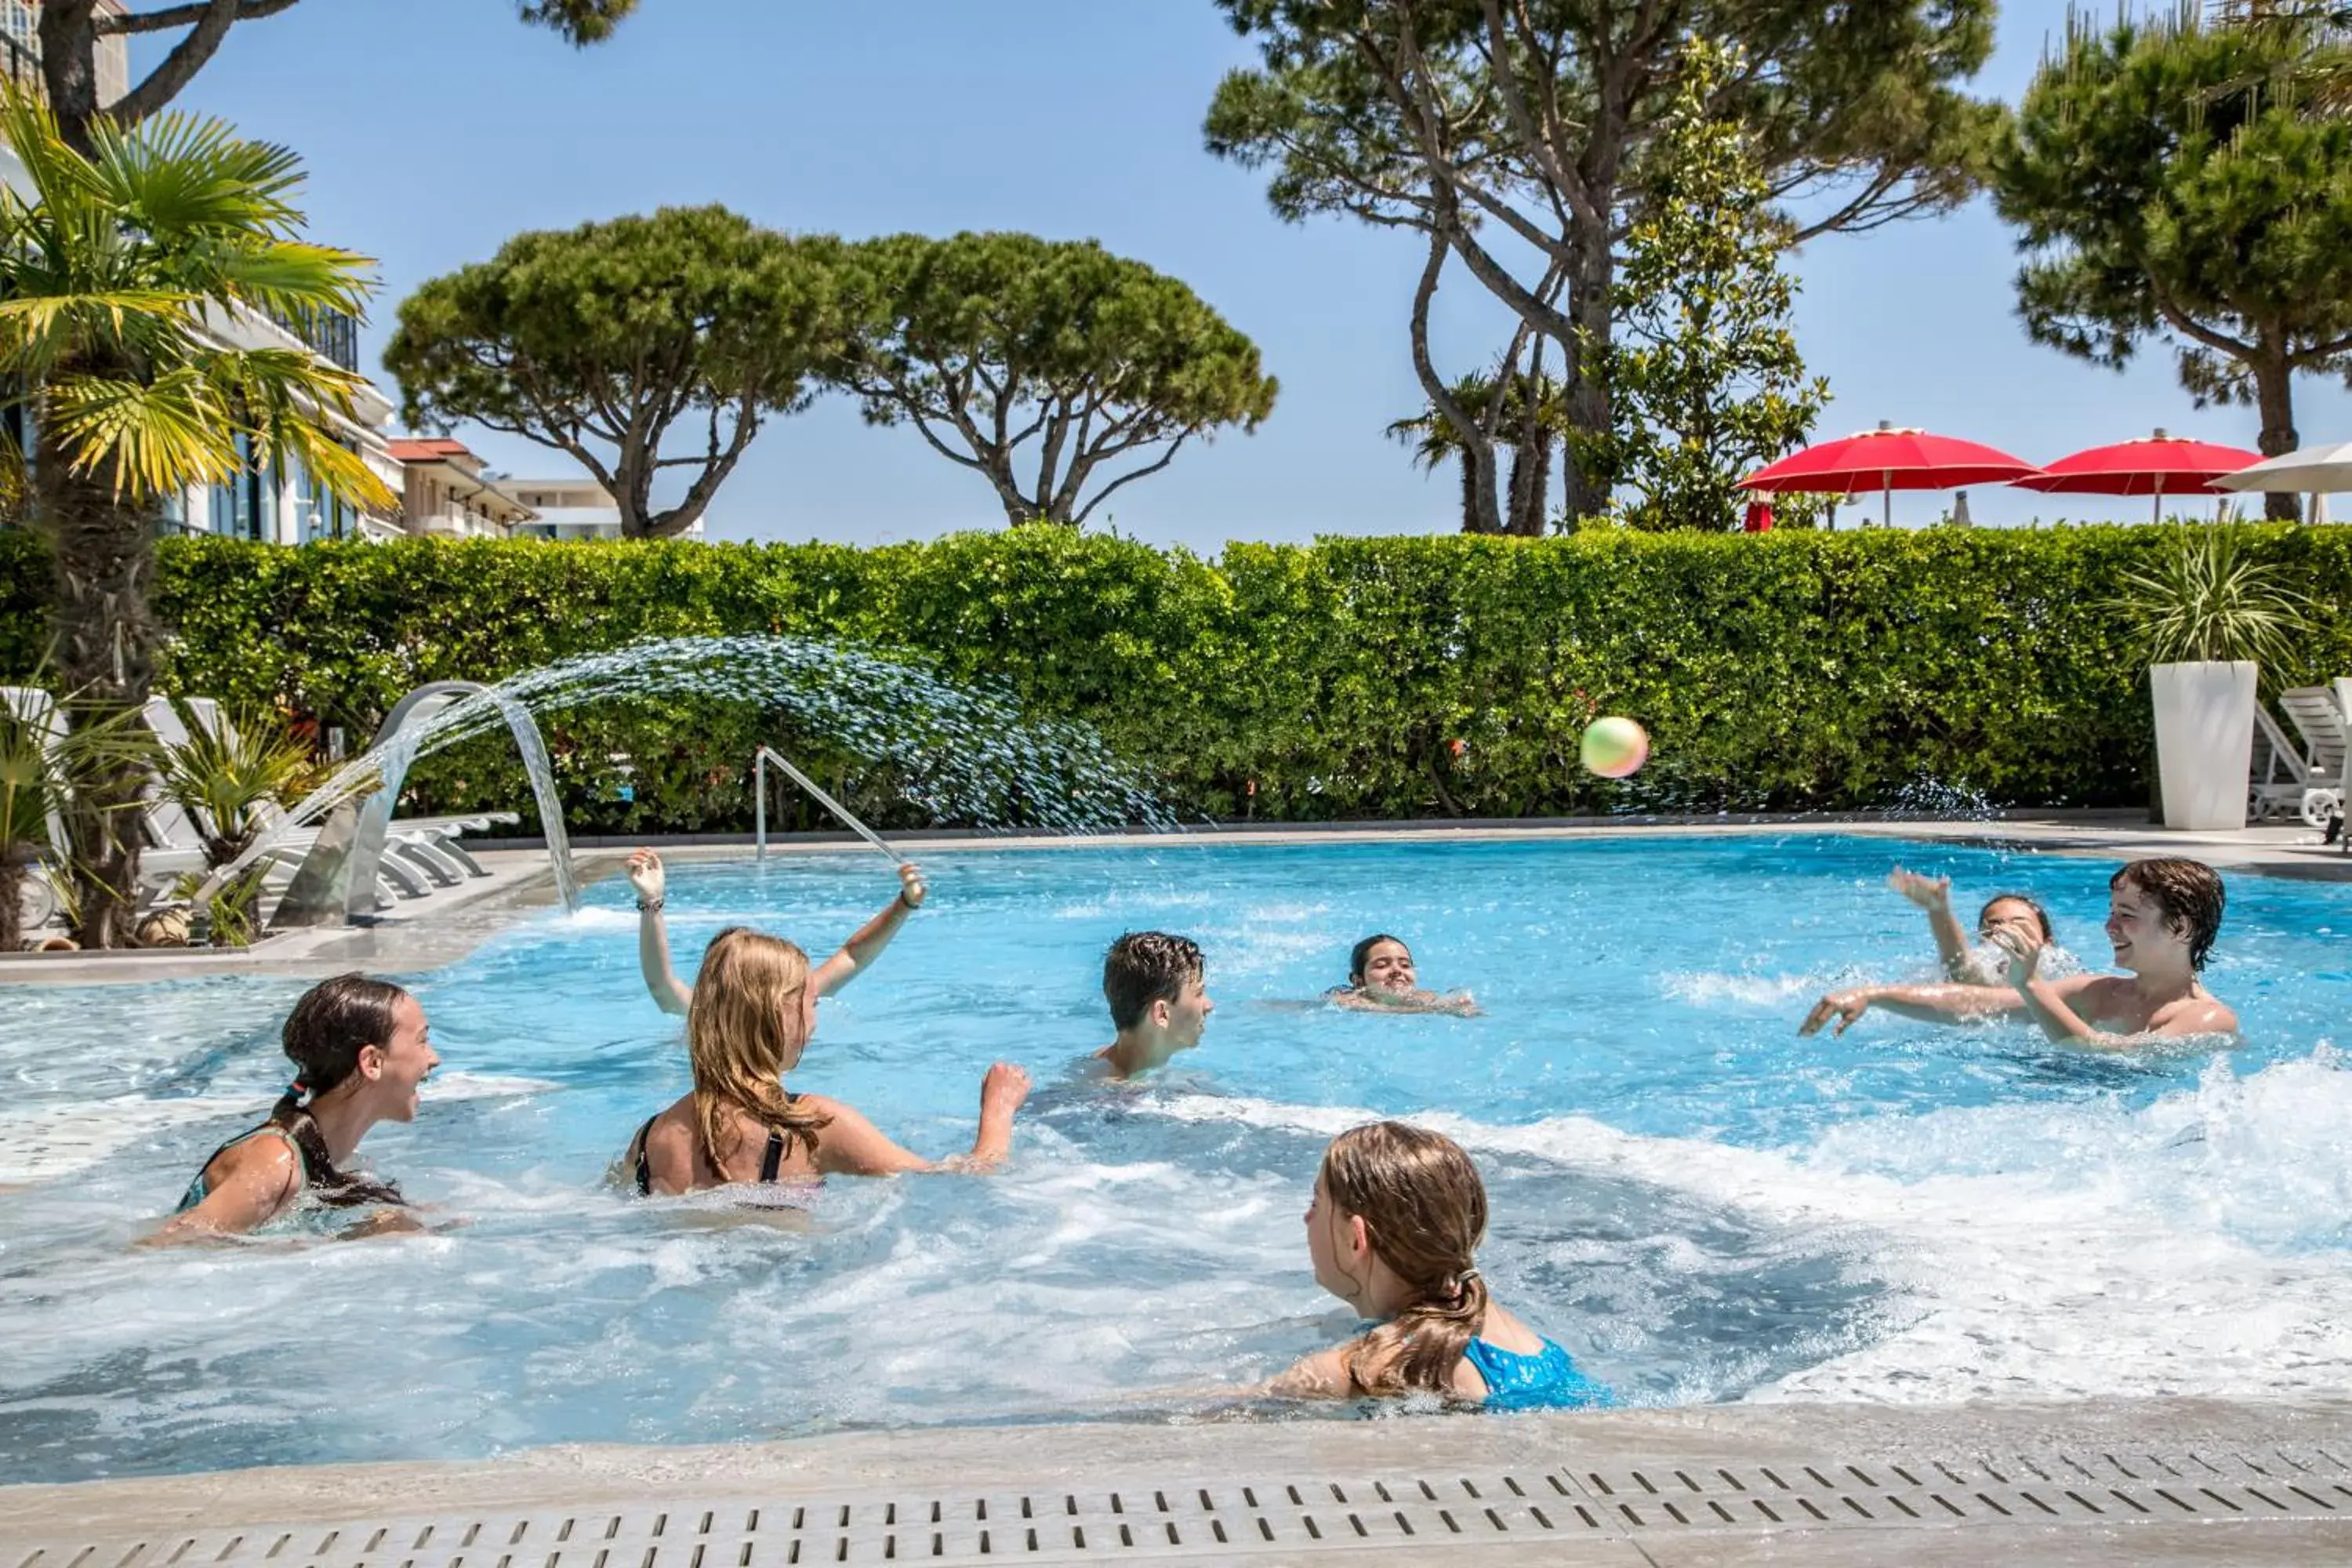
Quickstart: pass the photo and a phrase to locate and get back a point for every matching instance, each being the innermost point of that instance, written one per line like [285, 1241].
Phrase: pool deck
[445, 928]
[2097, 1482]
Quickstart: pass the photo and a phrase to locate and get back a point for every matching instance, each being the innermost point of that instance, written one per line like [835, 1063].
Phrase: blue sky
[435, 129]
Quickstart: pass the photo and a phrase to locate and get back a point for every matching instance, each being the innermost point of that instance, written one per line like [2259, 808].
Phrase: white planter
[2204, 742]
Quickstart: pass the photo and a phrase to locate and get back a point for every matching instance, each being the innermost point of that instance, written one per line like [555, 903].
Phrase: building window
[247, 506]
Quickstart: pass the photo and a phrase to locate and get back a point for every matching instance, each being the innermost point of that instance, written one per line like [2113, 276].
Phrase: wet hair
[323, 1035]
[2049, 933]
[2186, 893]
[744, 1032]
[1361, 955]
[1425, 1213]
[1147, 966]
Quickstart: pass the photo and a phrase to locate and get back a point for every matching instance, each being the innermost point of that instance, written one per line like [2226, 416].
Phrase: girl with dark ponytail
[360, 1048]
[1394, 1232]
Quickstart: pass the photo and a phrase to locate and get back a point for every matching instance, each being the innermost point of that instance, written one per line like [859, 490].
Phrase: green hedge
[1785, 671]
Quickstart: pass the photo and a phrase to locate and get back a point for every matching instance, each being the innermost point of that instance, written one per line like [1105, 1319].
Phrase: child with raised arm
[1987, 964]
[2162, 917]
[1393, 1231]
[1159, 998]
[674, 996]
[754, 1011]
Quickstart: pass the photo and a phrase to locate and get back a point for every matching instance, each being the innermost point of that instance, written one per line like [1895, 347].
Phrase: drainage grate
[1282, 1518]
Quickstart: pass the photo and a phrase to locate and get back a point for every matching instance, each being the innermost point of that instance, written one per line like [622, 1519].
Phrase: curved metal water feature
[336, 880]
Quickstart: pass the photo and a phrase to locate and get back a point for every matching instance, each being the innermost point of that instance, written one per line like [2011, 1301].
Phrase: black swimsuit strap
[773, 1159]
[645, 1164]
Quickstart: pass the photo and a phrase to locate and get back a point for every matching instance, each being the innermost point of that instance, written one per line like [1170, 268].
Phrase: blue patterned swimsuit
[1547, 1380]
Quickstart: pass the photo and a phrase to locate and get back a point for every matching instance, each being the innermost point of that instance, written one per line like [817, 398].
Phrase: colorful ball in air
[1615, 748]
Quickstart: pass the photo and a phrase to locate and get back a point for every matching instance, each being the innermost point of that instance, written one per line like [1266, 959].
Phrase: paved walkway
[2084, 1483]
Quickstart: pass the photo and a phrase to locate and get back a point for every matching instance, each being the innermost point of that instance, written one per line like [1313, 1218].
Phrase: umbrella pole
[2156, 515]
[1886, 514]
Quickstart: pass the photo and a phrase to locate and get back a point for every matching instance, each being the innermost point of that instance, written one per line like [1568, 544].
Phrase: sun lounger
[2317, 713]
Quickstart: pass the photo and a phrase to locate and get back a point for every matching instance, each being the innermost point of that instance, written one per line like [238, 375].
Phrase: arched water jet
[337, 879]
[963, 753]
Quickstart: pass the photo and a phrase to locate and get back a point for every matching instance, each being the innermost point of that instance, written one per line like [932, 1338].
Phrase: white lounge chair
[2283, 780]
[2317, 713]
[419, 855]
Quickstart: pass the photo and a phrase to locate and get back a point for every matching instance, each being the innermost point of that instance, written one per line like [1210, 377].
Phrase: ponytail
[1425, 1213]
[1417, 1350]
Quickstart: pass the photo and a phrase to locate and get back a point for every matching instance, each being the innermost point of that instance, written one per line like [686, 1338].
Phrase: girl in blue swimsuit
[1393, 1232]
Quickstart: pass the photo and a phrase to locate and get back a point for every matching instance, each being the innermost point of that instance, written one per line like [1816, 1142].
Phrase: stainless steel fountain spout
[337, 879]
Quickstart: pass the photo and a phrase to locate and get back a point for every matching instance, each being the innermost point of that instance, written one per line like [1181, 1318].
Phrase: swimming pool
[1700, 1205]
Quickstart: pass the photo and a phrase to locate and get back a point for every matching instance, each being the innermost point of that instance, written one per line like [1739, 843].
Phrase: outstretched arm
[1929, 1004]
[853, 1146]
[670, 994]
[875, 935]
[1933, 894]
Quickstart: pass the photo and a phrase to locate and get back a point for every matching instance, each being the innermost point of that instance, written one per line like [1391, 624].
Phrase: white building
[446, 493]
[571, 510]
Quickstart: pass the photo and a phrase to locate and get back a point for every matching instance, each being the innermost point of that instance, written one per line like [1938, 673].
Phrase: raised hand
[1846, 1006]
[1003, 1090]
[646, 876]
[912, 889]
[1930, 893]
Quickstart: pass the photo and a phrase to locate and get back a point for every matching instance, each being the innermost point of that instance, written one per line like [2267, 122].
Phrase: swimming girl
[1988, 964]
[753, 1010]
[672, 995]
[360, 1047]
[2162, 917]
[1393, 1230]
[1380, 980]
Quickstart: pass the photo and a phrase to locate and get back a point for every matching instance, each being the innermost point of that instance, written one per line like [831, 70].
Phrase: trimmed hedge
[1786, 671]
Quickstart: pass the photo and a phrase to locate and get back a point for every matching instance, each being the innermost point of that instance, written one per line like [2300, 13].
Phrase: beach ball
[1615, 748]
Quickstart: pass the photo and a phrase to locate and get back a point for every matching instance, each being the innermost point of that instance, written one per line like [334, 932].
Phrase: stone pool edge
[1093, 1455]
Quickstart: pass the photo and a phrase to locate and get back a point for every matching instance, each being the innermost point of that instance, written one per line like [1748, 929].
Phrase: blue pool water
[1699, 1205]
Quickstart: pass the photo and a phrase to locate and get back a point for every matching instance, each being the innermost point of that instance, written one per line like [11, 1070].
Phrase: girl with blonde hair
[1393, 1232]
[753, 1009]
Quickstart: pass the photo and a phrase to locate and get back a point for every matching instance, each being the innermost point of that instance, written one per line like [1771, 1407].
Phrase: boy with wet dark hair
[1159, 1000]
[2162, 917]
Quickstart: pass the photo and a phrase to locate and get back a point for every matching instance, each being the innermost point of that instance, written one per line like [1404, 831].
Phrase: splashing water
[964, 754]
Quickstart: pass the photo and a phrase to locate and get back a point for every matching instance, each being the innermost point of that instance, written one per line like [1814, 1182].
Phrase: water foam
[2037, 1250]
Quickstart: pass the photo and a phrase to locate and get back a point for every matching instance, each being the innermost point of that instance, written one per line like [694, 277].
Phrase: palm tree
[1532, 441]
[1435, 440]
[111, 279]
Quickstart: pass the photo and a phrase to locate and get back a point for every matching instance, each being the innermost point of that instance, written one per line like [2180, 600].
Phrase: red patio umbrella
[1889, 460]
[2157, 465]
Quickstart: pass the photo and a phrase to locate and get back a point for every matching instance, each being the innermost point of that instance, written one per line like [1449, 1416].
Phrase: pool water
[1699, 1205]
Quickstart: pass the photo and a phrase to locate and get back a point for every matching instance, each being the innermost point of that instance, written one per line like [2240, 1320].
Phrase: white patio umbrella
[2316, 471]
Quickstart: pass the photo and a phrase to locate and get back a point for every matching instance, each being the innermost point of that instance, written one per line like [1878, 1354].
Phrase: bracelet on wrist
[650, 906]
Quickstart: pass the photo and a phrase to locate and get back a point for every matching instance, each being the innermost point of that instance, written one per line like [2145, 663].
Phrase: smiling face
[2142, 934]
[2012, 915]
[1388, 967]
[396, 1068]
